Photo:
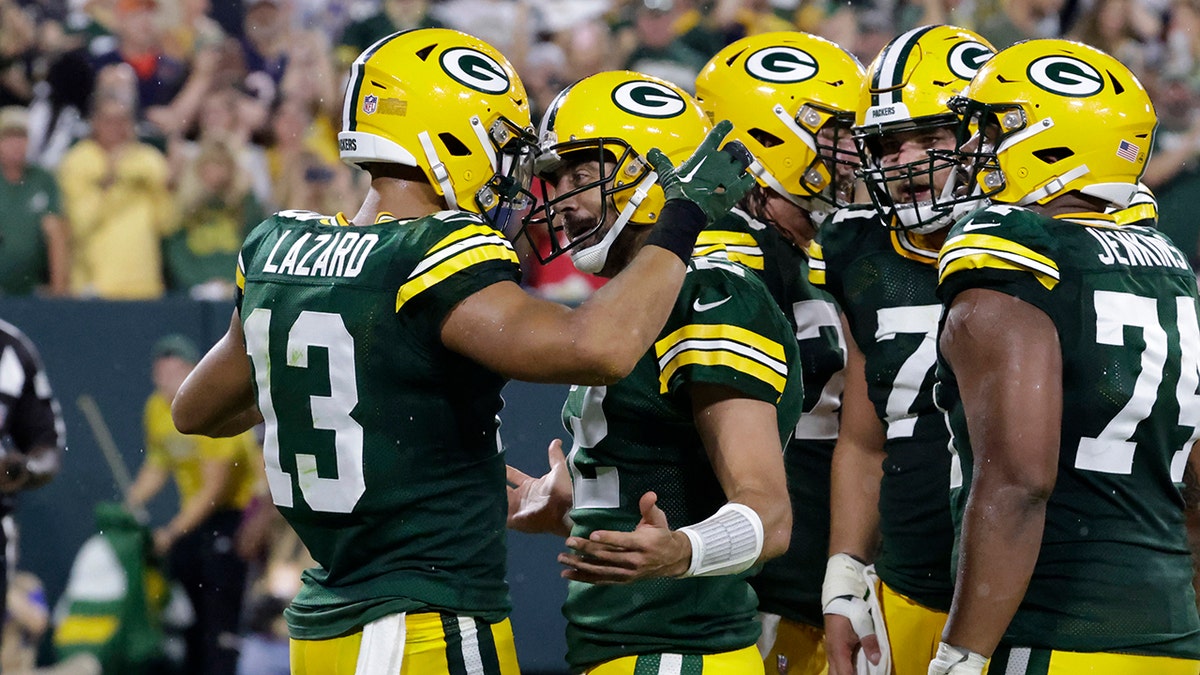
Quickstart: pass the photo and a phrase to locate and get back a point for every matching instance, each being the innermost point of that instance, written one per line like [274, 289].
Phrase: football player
[378, 345]
[891, 470]
[791, 97]
[1073, 555]
[677, 470]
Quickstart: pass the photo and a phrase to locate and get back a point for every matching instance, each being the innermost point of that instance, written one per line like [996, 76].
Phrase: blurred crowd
[140, 139]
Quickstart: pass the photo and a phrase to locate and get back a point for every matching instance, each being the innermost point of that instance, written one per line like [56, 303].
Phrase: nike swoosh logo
[705, 306]
[978, 226]
[687, 178]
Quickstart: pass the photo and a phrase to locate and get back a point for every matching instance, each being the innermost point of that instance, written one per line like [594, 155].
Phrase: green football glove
[715, 180]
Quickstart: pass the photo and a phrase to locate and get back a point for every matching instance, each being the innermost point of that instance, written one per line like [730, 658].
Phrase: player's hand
[849, 626]
[651, 550]
[956, 661]
[715, 180]
[537, 505]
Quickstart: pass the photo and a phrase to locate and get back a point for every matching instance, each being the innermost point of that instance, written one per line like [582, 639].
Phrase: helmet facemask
[621, 176]
[828, 179]
[936, 208]
[511, 150]
[982, 128]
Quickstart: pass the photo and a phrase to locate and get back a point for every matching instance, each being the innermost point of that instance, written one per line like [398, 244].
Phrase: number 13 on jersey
[338, 494]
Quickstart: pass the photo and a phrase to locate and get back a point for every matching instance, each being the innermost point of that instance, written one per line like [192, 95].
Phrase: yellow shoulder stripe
[240, 274]
[461, 253]
[727, 237]
[721, 345]
[981, 251]
[463, 233]
[740, 247]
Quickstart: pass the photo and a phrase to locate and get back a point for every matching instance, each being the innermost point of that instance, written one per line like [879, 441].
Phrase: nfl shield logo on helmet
[370, 102]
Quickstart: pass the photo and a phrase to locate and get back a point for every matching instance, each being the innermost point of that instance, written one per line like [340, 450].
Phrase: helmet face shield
[548, 230]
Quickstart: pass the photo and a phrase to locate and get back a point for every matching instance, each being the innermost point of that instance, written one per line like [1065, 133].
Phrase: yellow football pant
[797, 648]
[741, 662]
[427, 643]
[913, 631]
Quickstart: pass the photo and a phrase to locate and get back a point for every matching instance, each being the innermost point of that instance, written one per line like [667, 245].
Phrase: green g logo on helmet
[783, 65]
[966, 58]
[475, 70]
[1065, 76]
[648, 99]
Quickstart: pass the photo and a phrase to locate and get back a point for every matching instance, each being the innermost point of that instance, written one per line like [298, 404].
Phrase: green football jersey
[382, 446]
[639, 435]
[790, 585]
[1114, 572]
[886, 284]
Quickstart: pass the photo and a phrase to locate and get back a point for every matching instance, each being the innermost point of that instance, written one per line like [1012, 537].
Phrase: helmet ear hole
[1117, 86]
[1052, 155]
[455, 147]
[766, 138]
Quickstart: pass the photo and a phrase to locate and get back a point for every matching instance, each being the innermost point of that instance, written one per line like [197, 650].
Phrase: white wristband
[727, 542]
[956, 661]
[843, 578]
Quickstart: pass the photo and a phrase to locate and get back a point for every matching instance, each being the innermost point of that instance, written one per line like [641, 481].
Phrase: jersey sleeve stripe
[240, 274]
[720, 331]
[727, 237]
[462, 233]
[739, 247]
[707, 249]
[750, 257]
[965, 257]
[721, 357]
[451, 266]
[439, 253]
[725, 345]
[988, 242]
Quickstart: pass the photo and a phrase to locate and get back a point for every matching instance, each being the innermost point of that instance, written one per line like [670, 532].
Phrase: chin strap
[440, 173]
[1054, 186]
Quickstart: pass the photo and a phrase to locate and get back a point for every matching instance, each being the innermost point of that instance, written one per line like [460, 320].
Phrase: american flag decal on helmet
[1127, 150]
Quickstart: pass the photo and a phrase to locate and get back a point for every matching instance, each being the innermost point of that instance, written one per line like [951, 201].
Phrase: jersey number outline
[1113, 449]
[312, 329]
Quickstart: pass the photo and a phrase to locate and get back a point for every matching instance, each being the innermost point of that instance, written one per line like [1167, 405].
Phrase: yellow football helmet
[780, 89]
[908, 87]
[613, 118]
[1055, 116]
[449, 104]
